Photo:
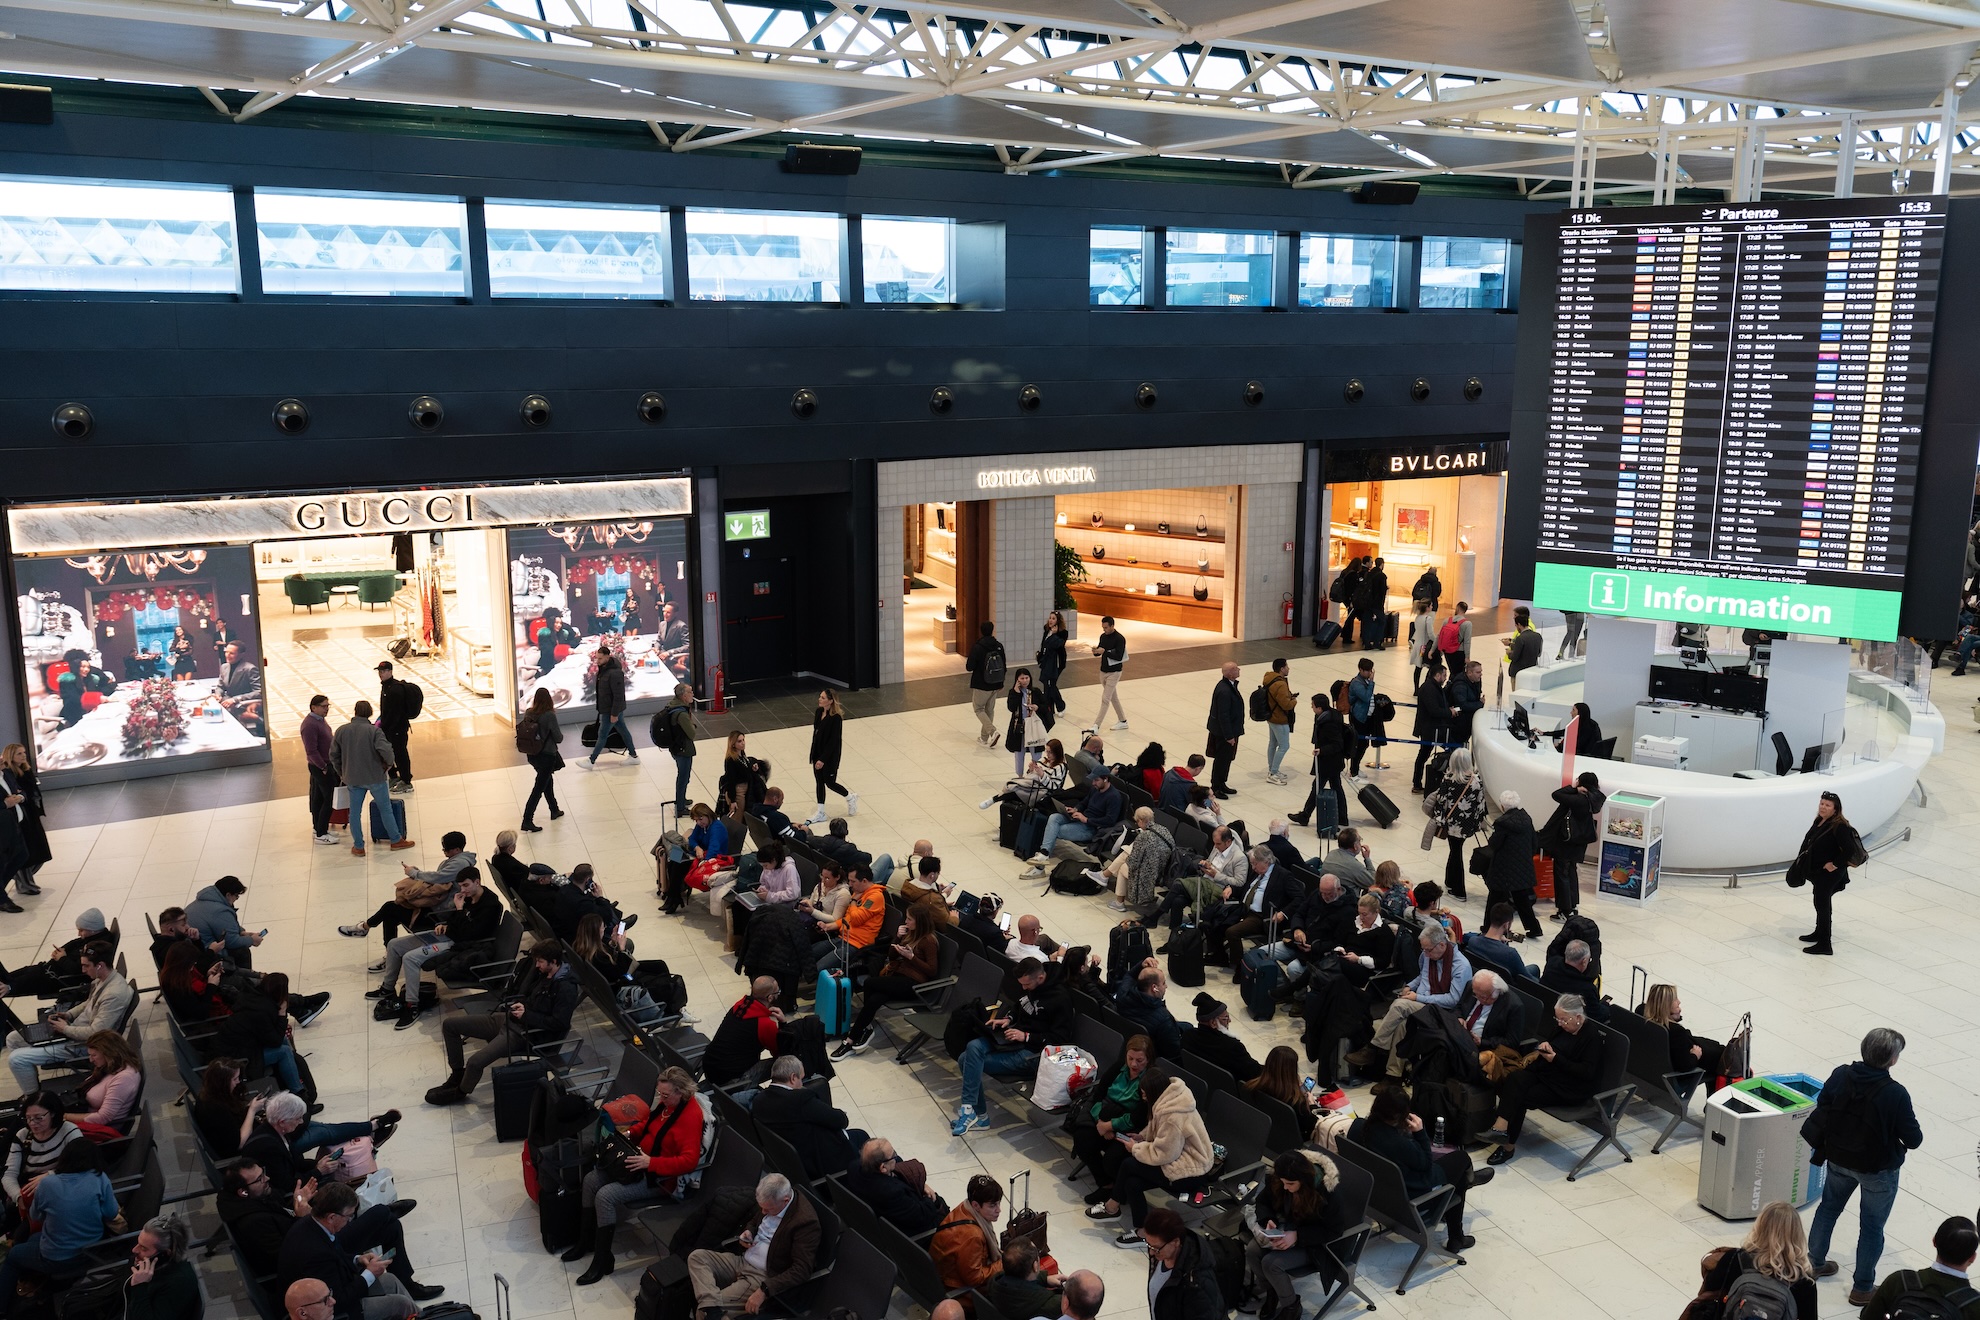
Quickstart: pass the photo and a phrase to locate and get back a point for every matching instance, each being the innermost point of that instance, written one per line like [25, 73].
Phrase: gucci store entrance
[155, 637]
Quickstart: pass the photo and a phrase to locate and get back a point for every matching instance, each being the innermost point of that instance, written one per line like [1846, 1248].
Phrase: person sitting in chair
[1566, 1073]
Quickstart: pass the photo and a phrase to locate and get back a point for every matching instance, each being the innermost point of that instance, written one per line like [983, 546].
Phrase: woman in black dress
[181, 649]
[1828, 850]
[17, 780]
[1567, 835]
[828, 737]
[1051, 664]
[1662, 1007]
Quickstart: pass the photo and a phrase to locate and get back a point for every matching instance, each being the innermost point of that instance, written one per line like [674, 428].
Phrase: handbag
[1034, 731]
[1099, 552]
[1162, 527]
[1202, 525]
[1097, 520]
[1201, 590]
[1481, 860]
[1162, 588]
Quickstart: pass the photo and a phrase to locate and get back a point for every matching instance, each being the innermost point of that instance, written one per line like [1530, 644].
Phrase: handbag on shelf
[1202, 525]
[1097, 519]
[1201, 590]
[1203, 563]
[1162, 588]
[1099, 552]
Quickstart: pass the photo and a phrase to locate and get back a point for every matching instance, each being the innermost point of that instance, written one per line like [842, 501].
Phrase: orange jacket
[860, 925]
[962, 1254]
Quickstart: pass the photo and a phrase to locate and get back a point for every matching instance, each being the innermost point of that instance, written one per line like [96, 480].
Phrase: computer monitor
[1816, 757]
[1669, 683]
[1517, 723]
[1731, 691]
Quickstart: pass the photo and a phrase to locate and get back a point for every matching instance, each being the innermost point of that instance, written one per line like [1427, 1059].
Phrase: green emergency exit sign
[749, 525]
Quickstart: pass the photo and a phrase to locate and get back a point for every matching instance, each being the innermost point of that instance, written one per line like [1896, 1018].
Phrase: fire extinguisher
[1286, 617]
[717, 699]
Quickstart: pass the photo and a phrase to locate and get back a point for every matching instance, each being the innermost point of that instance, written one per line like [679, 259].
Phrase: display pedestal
[1467, 588]
[944, 637]
[1632, 847]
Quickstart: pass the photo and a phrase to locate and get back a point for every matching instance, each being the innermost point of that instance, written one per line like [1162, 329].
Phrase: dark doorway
[788, 606]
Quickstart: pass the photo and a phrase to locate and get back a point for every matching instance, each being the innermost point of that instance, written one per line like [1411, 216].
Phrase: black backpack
[529, 735]
[1261, 705]
[993, 665]
[1917, 1302]
[415, 698]
[1227, 1259]
[669, 733]
[1128, 947]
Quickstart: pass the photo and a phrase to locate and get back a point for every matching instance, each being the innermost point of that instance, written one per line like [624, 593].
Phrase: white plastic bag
[377, 1189]
[1062, 1069]
[340, 798]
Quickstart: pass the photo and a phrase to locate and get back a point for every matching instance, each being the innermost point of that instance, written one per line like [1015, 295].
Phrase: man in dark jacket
[806, 1119]
[1037, 1012]
[316, 1248]
[837, 845]
[1177, 783]
[1566, 1073]
[563, 906]
[1467, 696]
[1954, 1248]
[1492, 1013]
[395, 718]
[1270, 891]
[1190, 1290]
[877, 1179]
[1223, 729]
[259, 1220]
[1490, 947]
[788, 1229]
[539, 1009]
[1862, 1125]
[986, 680]
[1568, 973]
[1139, 999]
[1371, 603]
[1433, 724]
[1020, 1288]
[1523, 647]
[609, 700]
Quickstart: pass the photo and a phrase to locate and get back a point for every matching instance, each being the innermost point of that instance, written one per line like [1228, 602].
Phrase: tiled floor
[1623, 1241]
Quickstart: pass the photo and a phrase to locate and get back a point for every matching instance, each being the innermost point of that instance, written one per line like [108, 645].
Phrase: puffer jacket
[1147, 860]
[1175, 1137]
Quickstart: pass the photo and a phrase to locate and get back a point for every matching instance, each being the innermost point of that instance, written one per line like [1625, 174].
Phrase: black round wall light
[804, 403]
[1254, 394]
[1029, 398]
[1352, 391]
[651, 407]
[291, 417]
[1419, 389]
[426, 413]
[72, 421]
[941, 400]
[534, 411]
[1473, 388]
[1144, 396]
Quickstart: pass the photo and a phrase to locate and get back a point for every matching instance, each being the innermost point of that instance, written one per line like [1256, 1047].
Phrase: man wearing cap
[63, 968]
[1099, 813]
[395, 717]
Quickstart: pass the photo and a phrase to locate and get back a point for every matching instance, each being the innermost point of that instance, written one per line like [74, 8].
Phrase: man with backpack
[673, 729]
[986, 680]
[1862, 1125]
[399, 704]
[1273, 704]
[1454, 639]
[1941, 1292]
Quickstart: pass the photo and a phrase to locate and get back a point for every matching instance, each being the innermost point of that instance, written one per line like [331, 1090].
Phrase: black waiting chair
[979, 978]
[861, 1282]
[1650, 1068]
[1351, 1194]
[1394, 1210]
[1613, 1090]
[735, 1163]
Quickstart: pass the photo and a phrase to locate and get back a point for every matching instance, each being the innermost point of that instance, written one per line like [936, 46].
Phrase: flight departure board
[1736, 404]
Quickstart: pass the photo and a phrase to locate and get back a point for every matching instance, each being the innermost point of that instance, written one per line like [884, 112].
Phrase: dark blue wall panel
[182, 390]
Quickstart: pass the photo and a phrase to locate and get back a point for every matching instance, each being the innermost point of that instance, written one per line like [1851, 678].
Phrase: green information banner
[1720, 601]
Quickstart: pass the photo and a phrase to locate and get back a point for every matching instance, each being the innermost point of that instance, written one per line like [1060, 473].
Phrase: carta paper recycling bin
[1753, 1152]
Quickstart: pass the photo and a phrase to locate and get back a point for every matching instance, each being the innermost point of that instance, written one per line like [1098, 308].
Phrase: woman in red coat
[668, 1133]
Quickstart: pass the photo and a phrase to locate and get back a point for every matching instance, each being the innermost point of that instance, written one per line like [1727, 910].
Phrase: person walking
[1423, 652]
[1051, 665]
[1331, 738]
[1862, 1125]
[539, 737]
[609, 700]
[316, 736]
[828, 732]
[361, 755]
[1433, 725]
[1457, 804]
[1829, 849]
[1566, 837]
[673, 729]
[1112, 650]
[1509, 871]
[17, 779]
[1224, 727]
[1371, 603]
[1454, 639]
[986, 680]
[397, 709]
[1282, 705]
[1341, 592]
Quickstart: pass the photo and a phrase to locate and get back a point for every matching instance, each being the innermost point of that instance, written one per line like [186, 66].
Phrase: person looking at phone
[469, 914]
[359, 1280]
[286, 1135]
[1292, 1217]
[911, 962]
[259, 1219]
[74, 1210]
[666, 1144]
[540, 1007]
[108, 1004]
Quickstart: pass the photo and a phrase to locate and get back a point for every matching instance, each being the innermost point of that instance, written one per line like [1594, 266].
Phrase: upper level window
[1220, 268]
[116, 237]
[1115, 269]
[552, 250]
[1347, 270]
[1463, 272]
[908, 261]
[352, 243]
[764, 256]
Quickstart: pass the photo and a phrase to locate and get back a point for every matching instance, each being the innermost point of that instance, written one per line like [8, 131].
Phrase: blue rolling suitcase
[1030, 833]
[834, 1001]
[376, 822]
[1258, 982]
[1327, 633]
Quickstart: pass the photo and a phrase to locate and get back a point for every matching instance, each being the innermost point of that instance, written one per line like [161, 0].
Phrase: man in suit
[259, 1219]
[1269, 893]
[806, 1119]
[1493, 1014]
[1566, 1073]
[240, 687]
[780, 1245]
[360, 1282]
[881, 1180]
[1568, 973]
[674, 643]
[1223, 728]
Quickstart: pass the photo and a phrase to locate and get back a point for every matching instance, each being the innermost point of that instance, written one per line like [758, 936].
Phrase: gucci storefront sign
[77, 528]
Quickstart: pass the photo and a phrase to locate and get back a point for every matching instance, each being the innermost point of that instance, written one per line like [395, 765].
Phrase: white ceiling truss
[1582, 98]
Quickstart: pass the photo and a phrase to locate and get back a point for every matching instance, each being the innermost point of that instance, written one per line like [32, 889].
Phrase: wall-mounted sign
[1023, 478]
[746, 525]
[79, 528]
[1403, 463]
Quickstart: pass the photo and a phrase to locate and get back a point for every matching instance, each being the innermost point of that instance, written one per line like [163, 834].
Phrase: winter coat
[1191, 1292]
[1175, 1139]
[779, 945]
[360, 753]
[1428, 587]
[1148, 861]
[1512, 848]
[215, 919]
[1826, 841]
[1315, 1233]
[1371, 594]
[1279, 696]
[609, 698]
[1459, 807]
[1433, 711]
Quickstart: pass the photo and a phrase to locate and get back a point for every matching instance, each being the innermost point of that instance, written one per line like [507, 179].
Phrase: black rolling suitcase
[559, 1186]
[1327, 633]
[1009, 816]
[515, 1089]
[1376, 803]
[1391, 628]
[1186, 956]
[1030, 833]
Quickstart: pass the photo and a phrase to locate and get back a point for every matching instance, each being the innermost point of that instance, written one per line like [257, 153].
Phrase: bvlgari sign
[77, 528]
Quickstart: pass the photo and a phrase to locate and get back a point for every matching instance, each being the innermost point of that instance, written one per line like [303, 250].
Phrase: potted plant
[1067, 568]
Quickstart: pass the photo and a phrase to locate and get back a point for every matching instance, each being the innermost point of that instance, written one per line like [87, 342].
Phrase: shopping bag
[1543, 877]
[340, 798]
[378, 1189]
[1062, 1069]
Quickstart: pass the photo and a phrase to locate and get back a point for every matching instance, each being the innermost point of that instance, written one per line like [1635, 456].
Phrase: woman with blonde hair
[828, 740]
[1662, 1007]
[20, 796]
[744, 778]
[666, 1147]
[1777, 1247]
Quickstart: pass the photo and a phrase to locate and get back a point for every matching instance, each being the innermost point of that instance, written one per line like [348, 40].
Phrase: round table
[345, 594]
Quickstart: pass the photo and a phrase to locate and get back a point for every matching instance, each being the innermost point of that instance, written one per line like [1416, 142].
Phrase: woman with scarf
[966, 1246]
[1828, 850]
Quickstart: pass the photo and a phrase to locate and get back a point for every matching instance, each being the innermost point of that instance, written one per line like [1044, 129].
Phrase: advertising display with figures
[622, 585]
[138, 656]
[1632, 839]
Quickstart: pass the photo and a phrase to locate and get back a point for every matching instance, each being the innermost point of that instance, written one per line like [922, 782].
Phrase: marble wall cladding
[1270, 523]
[1022, 589]
[887, 587]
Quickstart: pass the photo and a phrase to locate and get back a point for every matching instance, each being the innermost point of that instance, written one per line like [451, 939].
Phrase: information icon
[1608, 592]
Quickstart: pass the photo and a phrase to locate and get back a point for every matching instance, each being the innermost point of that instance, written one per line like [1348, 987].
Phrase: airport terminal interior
[1440, 464]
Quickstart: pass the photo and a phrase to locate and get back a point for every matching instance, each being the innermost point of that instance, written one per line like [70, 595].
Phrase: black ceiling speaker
[1419, 389]
[1254, 394]
[1387, 192]
[1352, 391]
[1029, 398]
[426, 413]
[534, 411]
[291, 417]
[941, 399]
[804, 403]
[1473, 388]
[651, 407]
[1144, 396]
[72, 421]
[810, 158]
[20, 104]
